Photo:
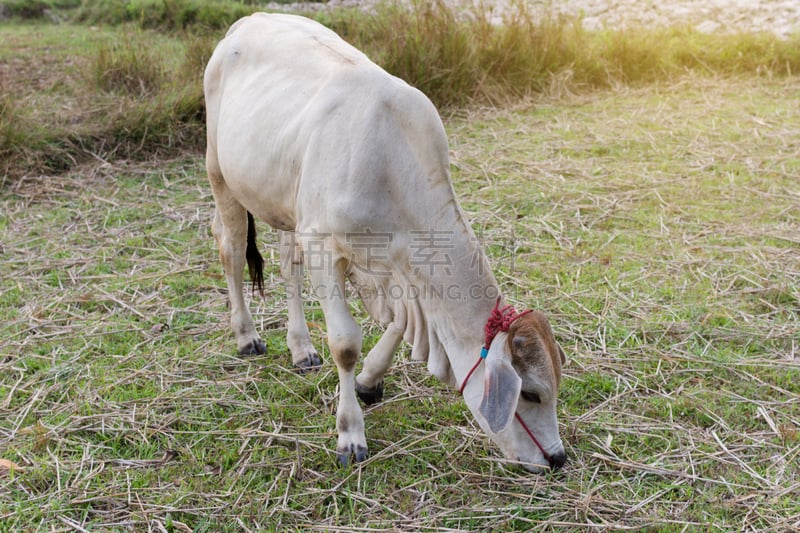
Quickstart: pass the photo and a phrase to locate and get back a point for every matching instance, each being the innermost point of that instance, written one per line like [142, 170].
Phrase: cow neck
[455, 322]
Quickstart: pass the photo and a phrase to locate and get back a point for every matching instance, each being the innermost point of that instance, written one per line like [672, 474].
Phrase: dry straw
[679, 313]
[657, 226]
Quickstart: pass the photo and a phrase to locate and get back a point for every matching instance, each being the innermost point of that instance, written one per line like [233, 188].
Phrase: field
[657, 223]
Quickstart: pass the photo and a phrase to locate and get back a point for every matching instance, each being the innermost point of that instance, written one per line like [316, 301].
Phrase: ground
[657, 226]
[660, 238]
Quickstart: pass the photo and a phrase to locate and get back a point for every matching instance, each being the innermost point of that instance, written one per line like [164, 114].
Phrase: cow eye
[531, 396]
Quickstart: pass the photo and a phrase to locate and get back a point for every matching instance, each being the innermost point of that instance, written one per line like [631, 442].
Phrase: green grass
[35, 9]
[119, 93]
[457, 59]
[130, 85]
[640, 187]
[656, 226]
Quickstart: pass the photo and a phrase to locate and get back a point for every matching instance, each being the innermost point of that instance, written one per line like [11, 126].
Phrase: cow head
[517, 406]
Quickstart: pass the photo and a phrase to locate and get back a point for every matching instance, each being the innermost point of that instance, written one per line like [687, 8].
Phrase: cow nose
[557, 460]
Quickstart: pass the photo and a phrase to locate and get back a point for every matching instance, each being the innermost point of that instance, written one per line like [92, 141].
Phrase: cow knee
[344, 340]
[346, 356]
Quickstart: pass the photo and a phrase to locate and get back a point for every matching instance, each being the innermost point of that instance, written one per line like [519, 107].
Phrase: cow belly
[264, 183]
[268, 203]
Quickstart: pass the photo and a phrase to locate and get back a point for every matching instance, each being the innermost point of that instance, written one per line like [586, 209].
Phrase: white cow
[350, 164]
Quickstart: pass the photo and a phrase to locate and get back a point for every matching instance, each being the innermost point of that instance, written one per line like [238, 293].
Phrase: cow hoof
[312, 362]
[370, 396]
[357, 452]
[255, 347]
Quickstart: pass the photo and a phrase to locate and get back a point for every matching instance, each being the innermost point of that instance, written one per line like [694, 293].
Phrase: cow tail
[255, 263]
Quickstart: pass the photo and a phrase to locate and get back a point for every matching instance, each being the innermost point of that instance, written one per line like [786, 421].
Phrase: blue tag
[484, 352]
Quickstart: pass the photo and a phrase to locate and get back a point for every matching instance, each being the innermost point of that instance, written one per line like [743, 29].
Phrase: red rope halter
[500, 320]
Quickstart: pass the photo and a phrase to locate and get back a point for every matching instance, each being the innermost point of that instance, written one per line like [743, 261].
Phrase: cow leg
[344, 341]
[230, 231]
[369, 383]
[304, 356]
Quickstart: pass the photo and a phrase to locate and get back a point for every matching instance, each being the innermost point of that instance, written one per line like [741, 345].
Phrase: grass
[660, 237]
[640, 187]
[97, 93]
[458, 59]
[165, 15]
[130, 84]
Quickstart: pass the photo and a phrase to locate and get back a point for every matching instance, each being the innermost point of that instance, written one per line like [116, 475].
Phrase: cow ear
[501, 389]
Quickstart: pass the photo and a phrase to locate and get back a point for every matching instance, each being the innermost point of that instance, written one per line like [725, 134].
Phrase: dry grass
[675, 213]
[96, 93]
[658, 227]
[133, 91]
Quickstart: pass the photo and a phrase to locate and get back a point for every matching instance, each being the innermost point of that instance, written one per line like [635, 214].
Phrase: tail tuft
[255, 263]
